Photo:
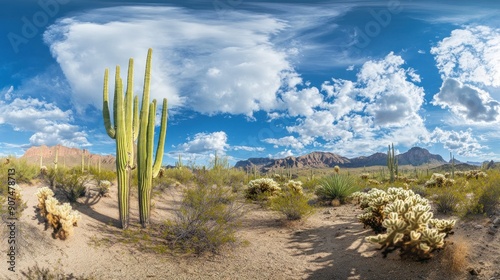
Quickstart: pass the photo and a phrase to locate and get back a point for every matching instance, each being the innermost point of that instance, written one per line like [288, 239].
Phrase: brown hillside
[69, 157]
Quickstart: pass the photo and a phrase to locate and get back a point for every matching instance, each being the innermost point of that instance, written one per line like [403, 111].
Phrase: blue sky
[259, 78]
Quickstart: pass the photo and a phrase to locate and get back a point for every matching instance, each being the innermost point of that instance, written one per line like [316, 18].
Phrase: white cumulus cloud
[470, 55]
[468, 102]
[381, 106]
[200, 61]
[49, 124]
[461, 142]
[203, 143]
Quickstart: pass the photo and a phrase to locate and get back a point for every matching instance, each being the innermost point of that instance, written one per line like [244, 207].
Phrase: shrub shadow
[341, 252]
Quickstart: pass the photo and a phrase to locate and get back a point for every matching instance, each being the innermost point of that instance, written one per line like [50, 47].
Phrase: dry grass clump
[38, 273]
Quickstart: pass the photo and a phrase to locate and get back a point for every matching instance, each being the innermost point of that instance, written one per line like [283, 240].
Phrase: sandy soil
[328, 245]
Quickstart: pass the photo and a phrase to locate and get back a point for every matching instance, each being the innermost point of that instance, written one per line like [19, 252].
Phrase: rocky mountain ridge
[415, 156]
[68, 157]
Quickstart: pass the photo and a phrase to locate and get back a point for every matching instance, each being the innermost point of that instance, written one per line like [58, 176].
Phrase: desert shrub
[61, 217]
[420, 190]
[236, 178]
[446, 202]
[38, 273]
[15, 208]
[73, 185]
[407, 221]
[292, 202]
[216, 174]
[311, 183]
[337, 186]
[206, 220]
[54, 176]
[25, 172]
[483, 196]
[182, 174]
[103, 175]
[262, 189]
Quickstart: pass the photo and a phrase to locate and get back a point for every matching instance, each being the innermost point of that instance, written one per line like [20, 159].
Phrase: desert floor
[328, 245]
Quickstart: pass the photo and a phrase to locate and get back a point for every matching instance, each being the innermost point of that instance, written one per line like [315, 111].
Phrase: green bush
[24, 172]
[104, 175]
[53, 177]
[73, 185]
[337, 186]
[446, 202]
[206, 220]
[292, 203]
[310, 183]
[182, 175]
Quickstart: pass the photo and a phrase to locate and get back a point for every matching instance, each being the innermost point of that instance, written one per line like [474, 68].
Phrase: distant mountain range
[68, 157]
[415, 156]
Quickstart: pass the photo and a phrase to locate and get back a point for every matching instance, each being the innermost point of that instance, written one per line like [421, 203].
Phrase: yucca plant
[337, 186]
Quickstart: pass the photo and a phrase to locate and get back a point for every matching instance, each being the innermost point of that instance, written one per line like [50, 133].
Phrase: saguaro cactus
[145, 168]
[452, 159]
[125, 132]
[55, 160]
[83, 160]
[392, 163]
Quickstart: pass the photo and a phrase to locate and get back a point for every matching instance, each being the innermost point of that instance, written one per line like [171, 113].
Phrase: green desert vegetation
[398, 202]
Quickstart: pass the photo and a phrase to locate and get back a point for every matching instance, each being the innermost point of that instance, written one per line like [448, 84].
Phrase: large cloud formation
[469, 64]
[205, 64]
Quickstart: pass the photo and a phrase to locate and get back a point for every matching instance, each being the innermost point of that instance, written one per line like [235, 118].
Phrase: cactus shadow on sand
[341, 252]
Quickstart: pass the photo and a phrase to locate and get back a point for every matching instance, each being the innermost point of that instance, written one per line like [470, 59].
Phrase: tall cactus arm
[129, 117]
[121, 151]
[105, 107]
[144, 116]
[161, 140]
[150, 138]
[135, 125]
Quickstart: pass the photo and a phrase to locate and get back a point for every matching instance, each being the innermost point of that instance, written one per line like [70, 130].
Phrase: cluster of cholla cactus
[364, 176]
[262, 188]
[15, 193]
[404, 221]
[128, 127]
[336, 168]
[439, 180]
[61, 217]
[294, 187]
[373, 182]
